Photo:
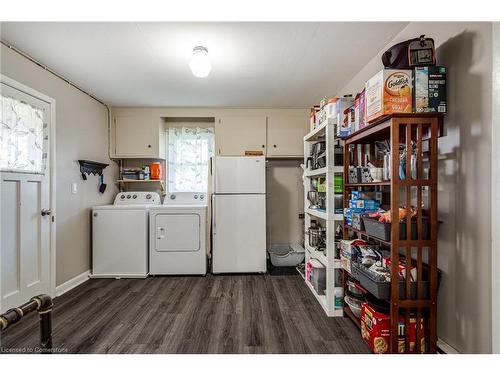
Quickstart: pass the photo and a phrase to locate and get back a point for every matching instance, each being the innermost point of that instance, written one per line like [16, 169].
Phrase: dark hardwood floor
[212, 314]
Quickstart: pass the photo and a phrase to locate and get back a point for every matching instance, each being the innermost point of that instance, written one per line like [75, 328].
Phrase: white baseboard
[72, 283]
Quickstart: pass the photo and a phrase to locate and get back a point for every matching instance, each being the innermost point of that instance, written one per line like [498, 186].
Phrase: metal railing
[41, 303]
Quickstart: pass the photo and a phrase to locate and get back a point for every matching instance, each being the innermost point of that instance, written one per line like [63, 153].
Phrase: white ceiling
[253, 64]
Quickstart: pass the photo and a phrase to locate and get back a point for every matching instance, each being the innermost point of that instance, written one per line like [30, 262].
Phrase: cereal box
[389, 91]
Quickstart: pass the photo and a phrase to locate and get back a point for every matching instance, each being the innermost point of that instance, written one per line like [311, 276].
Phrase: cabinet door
[236, 134]
[137, 137]
[285, 135]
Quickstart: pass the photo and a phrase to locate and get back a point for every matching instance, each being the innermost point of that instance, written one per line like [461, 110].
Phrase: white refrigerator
[239, 214]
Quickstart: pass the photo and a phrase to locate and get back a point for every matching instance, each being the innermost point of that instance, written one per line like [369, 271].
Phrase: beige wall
[464, 310]
[285, 199]
[81, 133]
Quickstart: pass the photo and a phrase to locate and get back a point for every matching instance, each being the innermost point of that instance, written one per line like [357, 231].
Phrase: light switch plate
[74, 188]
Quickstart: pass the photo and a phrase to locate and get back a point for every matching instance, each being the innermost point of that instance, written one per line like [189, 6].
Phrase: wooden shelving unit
[420, 131]
[327, 218]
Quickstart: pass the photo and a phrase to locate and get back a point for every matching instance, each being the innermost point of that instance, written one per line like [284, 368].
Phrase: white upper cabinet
[285, 135]
[234, 135]
[139, 137]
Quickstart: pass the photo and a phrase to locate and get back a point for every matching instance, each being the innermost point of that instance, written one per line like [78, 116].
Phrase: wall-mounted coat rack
[91, 167]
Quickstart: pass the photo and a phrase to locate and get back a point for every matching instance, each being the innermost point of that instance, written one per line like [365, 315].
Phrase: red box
[375, 330]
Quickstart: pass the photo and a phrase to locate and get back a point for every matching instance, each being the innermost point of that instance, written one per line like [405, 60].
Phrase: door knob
[46, 212]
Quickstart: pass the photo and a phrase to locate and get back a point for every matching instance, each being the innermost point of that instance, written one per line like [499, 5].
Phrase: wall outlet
[74, 188]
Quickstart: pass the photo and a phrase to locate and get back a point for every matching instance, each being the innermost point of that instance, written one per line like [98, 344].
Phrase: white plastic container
[286, 255]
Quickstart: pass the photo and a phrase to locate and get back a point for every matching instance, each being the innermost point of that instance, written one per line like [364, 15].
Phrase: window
[189, 152]
[23, 138]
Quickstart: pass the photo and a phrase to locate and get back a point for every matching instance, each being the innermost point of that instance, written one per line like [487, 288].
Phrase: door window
[23, 136]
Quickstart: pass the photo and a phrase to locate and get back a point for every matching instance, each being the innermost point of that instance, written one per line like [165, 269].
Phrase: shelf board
[323, 215]
[127, 181]
[317, 255]
[361, 232]
[317, 133]
[320, 214]
[380, 183]
[379, 127]
[315, 172]
[323, 171]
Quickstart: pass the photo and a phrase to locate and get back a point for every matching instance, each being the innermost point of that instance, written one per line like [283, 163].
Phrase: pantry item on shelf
[354, 176]
[321, 201]
[387, 92]
[346, 252]
[430, 89]
[383, 148]
[130, 173]
[338, 295]
[338, 183]
[354, 305]
[313, 117]
[413, 52]
[318, 155]
[318, 276]
[413, 161]
[375, 330]
[317, 236]
[343, 115]
[355, 289]
[145, 168]
[359, 111]
[156, 171]
[357, 221]
[366, 254]
[312, 196]
[338, 155]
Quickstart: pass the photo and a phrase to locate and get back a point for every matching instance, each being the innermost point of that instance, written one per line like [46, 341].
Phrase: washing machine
[178, 235]
[120, 235]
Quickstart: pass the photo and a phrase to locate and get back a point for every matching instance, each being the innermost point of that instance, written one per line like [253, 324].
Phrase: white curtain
[189, 152]
[23, 137]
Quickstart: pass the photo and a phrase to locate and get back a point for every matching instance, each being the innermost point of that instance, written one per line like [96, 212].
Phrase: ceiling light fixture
[200, 62]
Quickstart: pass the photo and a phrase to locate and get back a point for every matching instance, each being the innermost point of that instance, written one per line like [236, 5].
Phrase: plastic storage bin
[286, 255]
[383, 230]
[382, 289]
[318, 277]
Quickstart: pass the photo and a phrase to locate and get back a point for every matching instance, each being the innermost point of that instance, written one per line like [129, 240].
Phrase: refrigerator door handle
[214, 227]
[160, 233]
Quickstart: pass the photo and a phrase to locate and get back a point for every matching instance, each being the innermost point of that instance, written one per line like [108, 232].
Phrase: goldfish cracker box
[388, 91]
[375, 330]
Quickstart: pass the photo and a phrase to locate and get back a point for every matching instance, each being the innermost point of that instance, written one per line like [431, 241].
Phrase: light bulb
[200, 62]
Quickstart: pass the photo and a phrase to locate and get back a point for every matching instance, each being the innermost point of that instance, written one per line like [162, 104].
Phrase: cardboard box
[359, 111]
[389, 91]
[343, 117]
[429, 89]
[375, 330]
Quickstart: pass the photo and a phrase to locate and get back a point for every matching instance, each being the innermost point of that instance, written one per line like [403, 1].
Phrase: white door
[25, 214]
[120, 242]
[285, 135]
[177, 232]
[239, 233]
[245, 175]
[136, 136]
[235, 135]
